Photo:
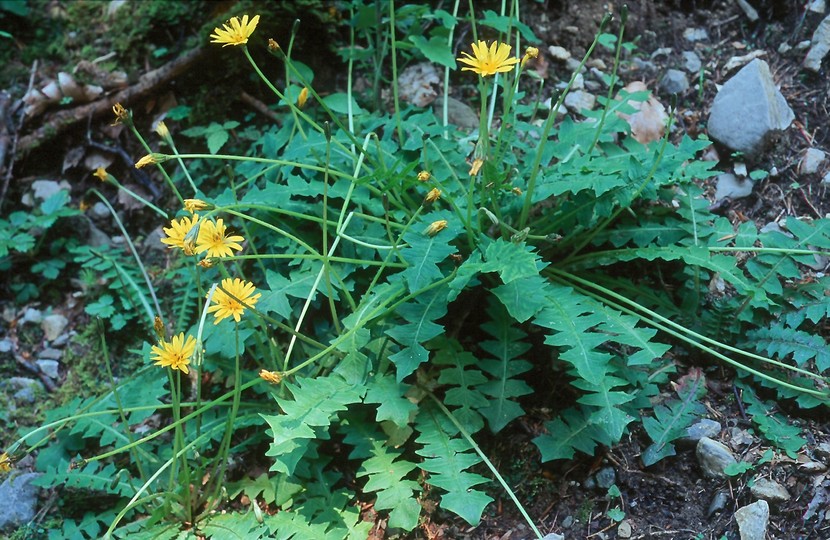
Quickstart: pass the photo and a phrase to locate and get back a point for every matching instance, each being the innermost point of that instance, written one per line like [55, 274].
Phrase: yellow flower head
[235, 32]
[101, 173]
[175, 354]
[5, 463]
[213, 240]
[162, 131]
[150, 159]
[489, 61]
[121, 114]
[424, 176]
[433, 195]
[194, 205]
[206, 263]
[530, 52]
[436, 226]
[272, 377]
[477, 163]
[231, 299]
[179, 233]
[302, 98]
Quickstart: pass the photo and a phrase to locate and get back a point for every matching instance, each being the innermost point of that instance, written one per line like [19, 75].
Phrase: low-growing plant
[376, 293]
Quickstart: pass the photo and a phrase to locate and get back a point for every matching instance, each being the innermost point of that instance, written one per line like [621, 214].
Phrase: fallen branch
[60, 121]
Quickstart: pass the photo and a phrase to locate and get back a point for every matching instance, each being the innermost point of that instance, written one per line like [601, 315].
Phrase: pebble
[31, 315]
[53, 325]
[713, 457]
[752, 520]
[559, 53]
[458, 113]
[624, 530]
[770, 491]
[703, 428]
[18, 500]
[6, 346]
[553, 536]
[728, 185]
[691, 62]
[817, 6]
[43, 189]
[695, 34]
[674, 82]
[606, 477]
[99, 212]
[749, 110]
[812, 160]
[826, 179]
[27, 388]
[567, 522]
[579, 100]
[718, 503]
[820, 46]
[50, 354]
[49, 367]
[739, 437]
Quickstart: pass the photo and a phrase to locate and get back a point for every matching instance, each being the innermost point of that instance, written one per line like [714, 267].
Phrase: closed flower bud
[433, 195]
[424, 176]
[436, 226]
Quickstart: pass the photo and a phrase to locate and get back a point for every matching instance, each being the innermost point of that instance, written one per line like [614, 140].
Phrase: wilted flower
[235, 32]
[121, 114]
[489, 61]
[150, 159]
[516, 191]
[477, 163]
[272, 377]
[302, 98]
[231, 299]
[162, 131]
[194, 205]
[158, 326]
[530, 52]
[213, 240]
[176, 353]
[178, 234]
[436, 226]
[433, 195]
[273, 45]
[101, 173]
[5, 463]
[424, 176]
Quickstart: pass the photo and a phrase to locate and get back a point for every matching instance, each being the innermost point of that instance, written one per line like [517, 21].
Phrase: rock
[643, 66]
[18, 500]
[43, 189]
[739, 437]
[572, 64]
[649, 123]
[817, 6]
[713, 457]
[50, 354]
[27, 388]
[730, 186]
[53, 325]
[812, 160]
[820, 46]
[100, 212]
[703, 428]
[49, 367]
[695, 34]
[31, 315]
[553, 536]
[458, 113]
[6, 346]
[748, 10]
[748, 110]
[419, 84]
[97, 238]
[770, 491]
[559, 53]
[580, 100]
[606, 477]
[752, 520]
[590, 483]
[826, 179]
[568, 522]
[674, 82]
[691, 62]
[718, 503]
[624, 530]
[62, 340]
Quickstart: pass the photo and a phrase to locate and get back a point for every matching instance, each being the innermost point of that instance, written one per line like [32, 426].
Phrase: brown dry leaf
[649, 123]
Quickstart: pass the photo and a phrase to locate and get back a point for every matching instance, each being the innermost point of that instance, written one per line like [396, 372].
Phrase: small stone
[820, 46]
[553, 536]
[589, 483]
[770, 491]
[739, 437]
[559, 53]
[606, 477]
[728, 185]
[812, 160]
[752, 520]
[100, 212]
[27, 388]
[695, 34]
[624, 530]
[572, 64]
[49, 367]
[567, 522]
[53, 325]
[691, 62]
[50, 354]
[43, 189]
[579, 101]
[718, 503]
[31, 315]
[817, 6]
[62, 340]
[713, 457]
[18, 500]
[6, 346]
[749, 11]
[703, 428]
[826, 178]
[674, 82]
[458, 113]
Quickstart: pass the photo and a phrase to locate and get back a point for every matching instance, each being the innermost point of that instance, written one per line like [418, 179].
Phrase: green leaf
[570, 432]
[339, 103]
[503, 24]
[216, 140]
[780, 341]
[423, 253]
[738, 468]
[671, 420]
[462, 397]
[389, 394]
[512, 261]
[419, 328]
[387, 476]
[524, 297]
[435, 50]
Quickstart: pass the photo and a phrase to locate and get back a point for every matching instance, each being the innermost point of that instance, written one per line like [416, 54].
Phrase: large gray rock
[18, 500]
[713, 457]
[749, 110]
[820, 46]
[752, 520]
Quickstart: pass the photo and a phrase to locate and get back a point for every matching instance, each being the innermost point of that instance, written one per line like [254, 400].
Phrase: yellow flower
[121, 114]
[424, 176]
[272, 377]
[150, 159]
[101, 173]
[206, 263]
[530, 52]
[194, 205]
[231, 299]
[235, 32]
[433, 195]
[175, 354]
[477, 163]
[489, 61]
[302, 98]
[5, 463]
[179, 233]
[162, 131]
[436, 226]
[213, 240]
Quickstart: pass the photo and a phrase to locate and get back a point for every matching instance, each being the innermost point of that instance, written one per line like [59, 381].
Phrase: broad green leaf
[435, 50]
